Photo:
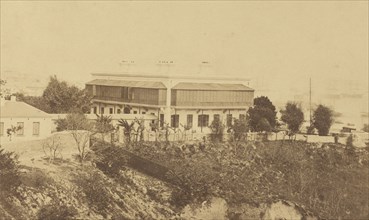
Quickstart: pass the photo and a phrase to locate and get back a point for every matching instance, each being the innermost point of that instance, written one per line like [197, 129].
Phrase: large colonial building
[177, 100]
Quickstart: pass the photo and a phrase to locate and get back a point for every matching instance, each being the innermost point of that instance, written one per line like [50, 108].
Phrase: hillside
[64, 187]
[229, 180]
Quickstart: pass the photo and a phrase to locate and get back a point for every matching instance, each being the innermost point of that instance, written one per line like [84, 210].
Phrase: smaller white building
[20, 121]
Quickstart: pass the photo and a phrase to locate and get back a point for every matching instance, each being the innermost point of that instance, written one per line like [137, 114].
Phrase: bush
[92, 184]
[239, 128]
[9, 172]
[61, 124]
[217, 129]
[350, 141]
[323, 119]
[111, 161]
[56, 212]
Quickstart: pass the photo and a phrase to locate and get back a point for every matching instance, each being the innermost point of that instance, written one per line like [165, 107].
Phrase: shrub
[239, 128]
[61, 124]
[56, 212]
[93, 186]
[9, 172]
[263, 109]
[111, 161]
[323, 119]
[293, 116]
[217, 129]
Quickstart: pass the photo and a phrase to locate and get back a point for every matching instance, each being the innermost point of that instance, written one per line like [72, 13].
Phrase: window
[94, 90]
[203, 120]
[118, 111]
[36, 128]
[229, 120]
[242, 116]
[111, 111]
[216, 117]
[1, 128]
[161, 120]
[124, 93]
[95, 110]
[20, 125]
[102, 110]
[189, 121]
[143, 113]
[174, 122]
[131, 95]
[134, 112]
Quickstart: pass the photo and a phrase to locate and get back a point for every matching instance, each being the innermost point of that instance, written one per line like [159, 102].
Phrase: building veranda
[182, 102]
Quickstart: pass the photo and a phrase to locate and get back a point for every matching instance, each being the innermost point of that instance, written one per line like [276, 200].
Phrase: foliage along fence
[151, 136]
[143, 165]
[150, 168]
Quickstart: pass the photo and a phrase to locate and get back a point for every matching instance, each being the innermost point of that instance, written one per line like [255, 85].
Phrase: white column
[167, 110]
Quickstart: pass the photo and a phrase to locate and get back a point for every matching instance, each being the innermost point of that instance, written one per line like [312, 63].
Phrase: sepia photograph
[184, 110]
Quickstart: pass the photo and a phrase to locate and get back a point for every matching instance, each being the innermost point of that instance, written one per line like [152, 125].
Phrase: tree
[12, 130]
[262, 110]
[58, 97]
[51, 146]
[9, 172]
[323, 119]
[80, 129]
[263, 125]
[217, 129]
[366, 128]
[128, 128]
[293, 117]
[3, 92]
[103, 125]
[36, 101]
[239, 128]
[63, 98]
[140, 129]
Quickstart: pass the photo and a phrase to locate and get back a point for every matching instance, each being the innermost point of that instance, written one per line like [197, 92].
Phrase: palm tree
[103, 125]
[128, 127]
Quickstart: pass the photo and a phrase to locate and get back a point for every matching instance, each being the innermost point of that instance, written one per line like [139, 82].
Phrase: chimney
[127, 64]
[165, 66]
[205, 67]
[13, 98]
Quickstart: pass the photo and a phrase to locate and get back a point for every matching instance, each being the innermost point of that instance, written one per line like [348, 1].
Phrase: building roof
[211, 86]
[137, 84]
[147, 75]
[113, 116]
[14, 109]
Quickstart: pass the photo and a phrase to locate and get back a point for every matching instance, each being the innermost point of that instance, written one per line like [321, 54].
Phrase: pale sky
[284, 42]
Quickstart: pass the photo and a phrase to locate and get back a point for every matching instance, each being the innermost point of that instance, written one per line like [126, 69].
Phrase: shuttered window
[174, 121]
[203, 120]
[36, 128]
[189, 121]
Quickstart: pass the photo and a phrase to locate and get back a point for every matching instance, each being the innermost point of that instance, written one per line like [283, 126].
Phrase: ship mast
[310, 101]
